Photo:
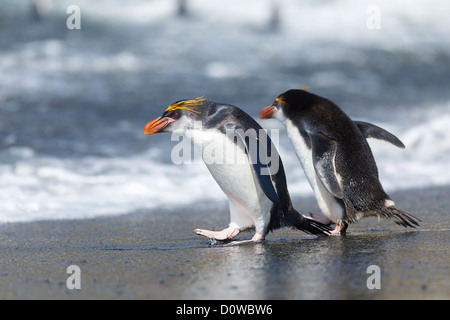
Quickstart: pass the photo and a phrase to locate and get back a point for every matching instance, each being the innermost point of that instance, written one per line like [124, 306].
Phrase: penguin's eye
[175, 115]
[281, 101]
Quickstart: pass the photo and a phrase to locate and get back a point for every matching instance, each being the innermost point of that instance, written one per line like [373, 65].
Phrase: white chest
[230, 167]
[326, 201]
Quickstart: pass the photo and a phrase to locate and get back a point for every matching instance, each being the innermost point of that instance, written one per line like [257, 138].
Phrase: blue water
[73, 103]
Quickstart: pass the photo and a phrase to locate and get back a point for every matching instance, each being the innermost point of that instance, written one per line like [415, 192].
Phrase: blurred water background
[73, 103]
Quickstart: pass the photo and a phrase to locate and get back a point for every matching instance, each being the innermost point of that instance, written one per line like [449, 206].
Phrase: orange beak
[267, 112]
[157, 125]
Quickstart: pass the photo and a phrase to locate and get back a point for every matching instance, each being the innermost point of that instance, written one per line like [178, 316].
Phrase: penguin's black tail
[400, 217]
[296, 220]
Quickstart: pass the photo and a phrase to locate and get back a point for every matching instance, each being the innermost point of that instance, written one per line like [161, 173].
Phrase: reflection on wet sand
[331, 268]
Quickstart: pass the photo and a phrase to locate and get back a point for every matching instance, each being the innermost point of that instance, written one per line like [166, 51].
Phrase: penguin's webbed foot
[224, 235]
[339, 229]
[256, 239]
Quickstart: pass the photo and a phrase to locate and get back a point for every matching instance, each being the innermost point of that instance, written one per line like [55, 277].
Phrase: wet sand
[155, 255]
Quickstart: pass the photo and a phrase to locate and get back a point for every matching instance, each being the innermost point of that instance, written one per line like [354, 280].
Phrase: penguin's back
[355, 164]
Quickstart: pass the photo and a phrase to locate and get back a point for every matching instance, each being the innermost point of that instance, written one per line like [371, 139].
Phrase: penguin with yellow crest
[245, 164]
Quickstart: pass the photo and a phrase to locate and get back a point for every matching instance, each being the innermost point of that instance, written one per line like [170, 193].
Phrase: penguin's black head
[286, 102]
[178, 116]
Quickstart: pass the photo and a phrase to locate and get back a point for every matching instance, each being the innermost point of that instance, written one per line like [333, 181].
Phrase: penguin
[245, 164]
[337, 159]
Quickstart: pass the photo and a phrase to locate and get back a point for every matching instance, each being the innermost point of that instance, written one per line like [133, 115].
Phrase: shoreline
[155, 255]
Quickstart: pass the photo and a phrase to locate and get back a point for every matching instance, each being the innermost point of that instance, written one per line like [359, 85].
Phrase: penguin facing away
[245, 164]
[337, 159]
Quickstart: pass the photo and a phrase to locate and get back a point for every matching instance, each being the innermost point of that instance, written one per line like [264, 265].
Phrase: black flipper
[261, 153]
[323, 154]
[372, 131]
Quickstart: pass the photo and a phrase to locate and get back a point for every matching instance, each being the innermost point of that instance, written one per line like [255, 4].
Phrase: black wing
[323, 154]
[372, 131]
[264, 158]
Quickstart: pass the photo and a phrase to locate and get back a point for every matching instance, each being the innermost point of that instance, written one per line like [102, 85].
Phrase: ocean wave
[73, 103]
[35, 187]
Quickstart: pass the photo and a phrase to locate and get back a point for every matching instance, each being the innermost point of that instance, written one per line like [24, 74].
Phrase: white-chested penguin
[337, 159]
[243, 161]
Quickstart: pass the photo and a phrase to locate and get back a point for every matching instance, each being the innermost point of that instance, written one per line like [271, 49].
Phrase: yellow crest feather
[184, 104]
[280, 100]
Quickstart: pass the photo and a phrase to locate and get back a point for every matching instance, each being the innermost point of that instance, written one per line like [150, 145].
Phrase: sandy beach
[155, 255]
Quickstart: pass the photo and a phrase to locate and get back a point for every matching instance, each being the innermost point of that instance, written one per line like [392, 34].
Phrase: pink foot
[256, 238]
[225, 234]
[339, 229]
